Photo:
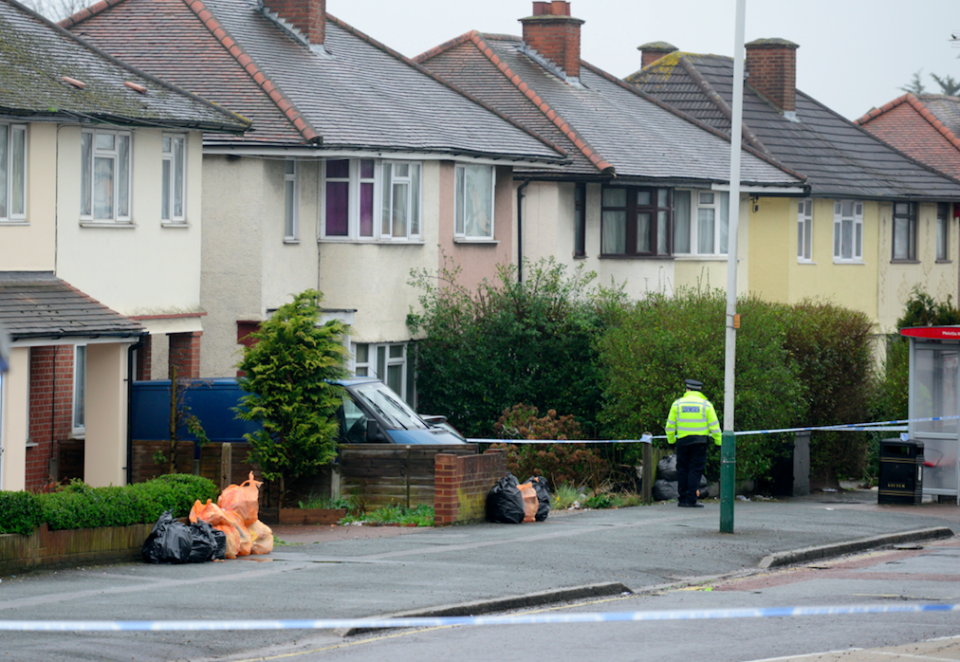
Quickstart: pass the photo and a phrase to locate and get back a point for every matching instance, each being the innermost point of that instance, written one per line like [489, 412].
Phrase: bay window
[701, 222]
[105, 175]
[354, 189]
[473, 207]
[635, 221]
[13, 172]
[173, 178]
[847, 231]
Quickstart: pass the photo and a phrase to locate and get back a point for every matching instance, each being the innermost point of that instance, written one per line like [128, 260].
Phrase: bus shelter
[935, 404]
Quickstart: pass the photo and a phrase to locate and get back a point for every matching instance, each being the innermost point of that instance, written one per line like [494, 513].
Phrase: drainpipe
[520, 230]
[130, 350]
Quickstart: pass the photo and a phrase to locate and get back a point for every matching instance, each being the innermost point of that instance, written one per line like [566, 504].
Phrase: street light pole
[728, 448]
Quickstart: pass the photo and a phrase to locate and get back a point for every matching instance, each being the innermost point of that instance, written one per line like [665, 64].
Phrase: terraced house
[644, 200]
[876, 222]
[100, 217]
[360, 166]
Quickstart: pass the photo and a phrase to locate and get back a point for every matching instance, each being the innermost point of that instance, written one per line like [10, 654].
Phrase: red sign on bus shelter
[932, 332]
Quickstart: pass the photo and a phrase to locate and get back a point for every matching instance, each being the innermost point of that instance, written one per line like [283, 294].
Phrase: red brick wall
[555, 35]
[461, 484]
[144, 360]
[308, 16]
[51, 409]
[772, 70]
[185, 355]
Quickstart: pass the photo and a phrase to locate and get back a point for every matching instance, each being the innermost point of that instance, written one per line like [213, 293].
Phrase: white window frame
[379, 361]
[459, 223]
[88, 162]
[720, 206]
[414, 205]
[78, 409]
[291, 201]
[805, 230]
[173, 164]
[12, 165]
[354, 181]
[855, 219]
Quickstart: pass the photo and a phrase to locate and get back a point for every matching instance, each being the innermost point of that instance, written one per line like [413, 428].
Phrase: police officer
[691, 424]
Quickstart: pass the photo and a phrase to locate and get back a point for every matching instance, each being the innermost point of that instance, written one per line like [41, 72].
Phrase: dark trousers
[691, 461]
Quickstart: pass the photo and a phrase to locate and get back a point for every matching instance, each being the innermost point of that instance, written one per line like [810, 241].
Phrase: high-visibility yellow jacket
[692, 414]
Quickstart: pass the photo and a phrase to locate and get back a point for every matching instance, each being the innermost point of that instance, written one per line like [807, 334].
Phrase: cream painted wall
[31, 246]
[234, 205]
[105, 447]
[16, 389]
[143, 268]
[898, 279]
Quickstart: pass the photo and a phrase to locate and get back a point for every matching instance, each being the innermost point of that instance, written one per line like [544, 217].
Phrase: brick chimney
[771, 66]
[308, 16]
[555, 35]
[650, 53]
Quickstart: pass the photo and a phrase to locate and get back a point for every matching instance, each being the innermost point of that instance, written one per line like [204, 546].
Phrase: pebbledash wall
[461, 484]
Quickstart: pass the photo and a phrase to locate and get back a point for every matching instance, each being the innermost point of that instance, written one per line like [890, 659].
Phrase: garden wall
[462, 484]
[47, 548]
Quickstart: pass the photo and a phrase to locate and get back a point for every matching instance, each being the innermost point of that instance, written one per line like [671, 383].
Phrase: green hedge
[79, 506]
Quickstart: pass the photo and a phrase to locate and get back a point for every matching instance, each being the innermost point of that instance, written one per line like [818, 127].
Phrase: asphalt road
[652, 551]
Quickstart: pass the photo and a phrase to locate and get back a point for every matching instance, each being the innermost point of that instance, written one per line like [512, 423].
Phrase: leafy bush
[21, 513]
[79, 506]
[421, 515]
[658, 342]
[509, 342]
[558, 463]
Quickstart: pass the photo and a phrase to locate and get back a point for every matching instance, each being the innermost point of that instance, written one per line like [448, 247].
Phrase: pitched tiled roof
[609, 127]
[925, 127]
[354, 94]
[48, 73]
[839, 159]
[39, 305]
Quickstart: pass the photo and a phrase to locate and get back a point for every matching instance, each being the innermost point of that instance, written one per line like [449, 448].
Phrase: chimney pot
[553, 33]
[771, 65]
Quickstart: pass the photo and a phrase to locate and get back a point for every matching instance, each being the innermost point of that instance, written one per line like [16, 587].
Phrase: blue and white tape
[877, 426]
[422, 622]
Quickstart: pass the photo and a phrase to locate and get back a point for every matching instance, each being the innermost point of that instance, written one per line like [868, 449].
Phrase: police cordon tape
[878, 426]
[445, 621]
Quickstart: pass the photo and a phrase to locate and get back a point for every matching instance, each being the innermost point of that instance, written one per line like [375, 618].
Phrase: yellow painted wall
[31, 246]
[14, 433]
[105, 448]
[773, 249]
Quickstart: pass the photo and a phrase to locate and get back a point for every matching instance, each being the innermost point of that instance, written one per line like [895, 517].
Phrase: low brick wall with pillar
[461, 484]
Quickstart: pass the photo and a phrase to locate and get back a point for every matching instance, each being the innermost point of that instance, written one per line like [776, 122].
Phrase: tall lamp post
[728, 448]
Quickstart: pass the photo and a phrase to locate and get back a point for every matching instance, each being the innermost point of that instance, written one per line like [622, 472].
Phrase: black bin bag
[543, 496]
[504, 501]
[171, 541]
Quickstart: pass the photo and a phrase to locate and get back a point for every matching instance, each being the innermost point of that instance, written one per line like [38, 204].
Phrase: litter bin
[901, 471]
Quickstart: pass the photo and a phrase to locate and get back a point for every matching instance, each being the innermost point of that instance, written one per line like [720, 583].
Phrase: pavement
[321, 572]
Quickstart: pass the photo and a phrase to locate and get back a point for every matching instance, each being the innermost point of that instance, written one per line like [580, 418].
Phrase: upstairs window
[105, 175]
[847, 231]
[943, 231]
[904, 231]
[473, 205]
[13, 172]
[354, 191]
[702, 224]
[635, 221]
[174, 178]
[291, 201]
[805, 230]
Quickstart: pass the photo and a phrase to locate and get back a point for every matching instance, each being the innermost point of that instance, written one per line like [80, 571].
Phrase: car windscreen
[388, 405]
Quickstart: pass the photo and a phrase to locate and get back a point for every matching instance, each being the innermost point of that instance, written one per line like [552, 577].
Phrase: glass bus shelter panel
[941, 474]
[935, 390]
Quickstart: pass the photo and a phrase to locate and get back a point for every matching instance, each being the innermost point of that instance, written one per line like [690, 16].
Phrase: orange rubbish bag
[530, 502]
[243, 499]
[239, 539]
[262, 538]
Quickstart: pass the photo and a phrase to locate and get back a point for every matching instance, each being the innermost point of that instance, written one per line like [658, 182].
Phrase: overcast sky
[854, 54]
